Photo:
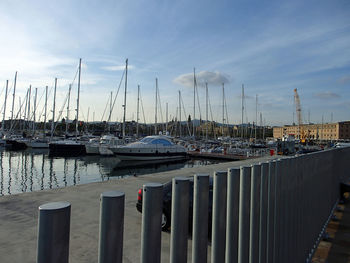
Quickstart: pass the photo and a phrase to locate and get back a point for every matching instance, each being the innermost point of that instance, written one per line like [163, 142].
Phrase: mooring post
[53, 232]
[271, 196]
[152, 203]
[111, 227]
[254, 213]
[200, 218]
[179, 219]
[244, 215]
[263, 212]
[232, 215]
[219, 218]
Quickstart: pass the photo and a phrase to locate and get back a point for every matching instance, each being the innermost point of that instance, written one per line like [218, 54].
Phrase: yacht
[107, 142]
[150, 148]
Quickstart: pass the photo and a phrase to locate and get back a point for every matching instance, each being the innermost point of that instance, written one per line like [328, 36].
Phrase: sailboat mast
[68, 102]
[77, 118]
[53, 110]
[110, 113]
[180, 113]
[28, 110]
[206, 111]
[13, 98]
[155, 116]
[242, 109]
[126, 85]
[194, 100]
[256, 113]
[34, 111]
[87, 121]
[138, 111]
[223, 108]
[3, 115]
[44, 129]
[166, 119]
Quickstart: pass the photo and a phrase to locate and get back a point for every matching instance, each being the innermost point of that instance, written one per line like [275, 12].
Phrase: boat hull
[66, 149]
[15, 145]
[92, 149]
[150, 156]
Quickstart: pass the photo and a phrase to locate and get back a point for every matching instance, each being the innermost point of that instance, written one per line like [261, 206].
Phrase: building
[326, 131]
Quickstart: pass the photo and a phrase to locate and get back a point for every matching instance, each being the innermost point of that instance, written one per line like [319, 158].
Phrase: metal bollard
[279, 212]
[179, 219]
[263, 212]
[200, 218]
[53, 233]
[254, 213]
[111, 227]
[232, 215]
[244, 215]
[152, 204]
[271, 196]
[219, 218]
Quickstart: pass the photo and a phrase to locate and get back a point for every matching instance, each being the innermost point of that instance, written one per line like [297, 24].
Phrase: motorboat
[107, 142]
[37, 143]
[67, 148]
[150, 148]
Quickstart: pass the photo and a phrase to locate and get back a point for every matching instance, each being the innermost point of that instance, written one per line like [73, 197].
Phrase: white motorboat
[107, 142]
[150, 148]
[37, 143]
[92, 146]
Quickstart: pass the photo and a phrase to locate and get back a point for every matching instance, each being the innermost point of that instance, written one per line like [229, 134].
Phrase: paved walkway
[19, 216]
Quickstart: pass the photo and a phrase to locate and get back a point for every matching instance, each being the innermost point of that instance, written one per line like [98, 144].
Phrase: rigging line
[225, 104]
[36, 106]
[76, 73]
[160, 109]
[211, 115]
[8, 93]
[60, 112]
[143, 112]
[199, 106]
[183, 106]
[2, 90]
[116, 95]
[103, 115]
[43, 108]
[18, 113]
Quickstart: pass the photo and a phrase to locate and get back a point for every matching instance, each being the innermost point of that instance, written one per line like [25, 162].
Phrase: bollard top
[54, 206]
[152, 185]
[201, 175]
[220, 173]
[181, 179]
[264, 163]
[112, 194]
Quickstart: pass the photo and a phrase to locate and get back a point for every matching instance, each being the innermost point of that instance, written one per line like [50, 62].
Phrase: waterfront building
[326, 131]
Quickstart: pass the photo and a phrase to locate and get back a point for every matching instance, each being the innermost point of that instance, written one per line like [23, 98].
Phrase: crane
[298, 111]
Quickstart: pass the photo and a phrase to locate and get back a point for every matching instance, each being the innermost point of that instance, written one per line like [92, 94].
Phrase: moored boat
[150, 148]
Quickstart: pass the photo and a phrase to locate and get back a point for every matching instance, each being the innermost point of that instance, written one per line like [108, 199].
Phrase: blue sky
[270, 46]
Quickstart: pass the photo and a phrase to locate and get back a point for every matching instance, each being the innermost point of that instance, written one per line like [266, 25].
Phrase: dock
[220, 156]
[19, 216]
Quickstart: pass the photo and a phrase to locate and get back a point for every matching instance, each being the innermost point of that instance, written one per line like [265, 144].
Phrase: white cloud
[327, 95]
[117, 67]
[212, 78]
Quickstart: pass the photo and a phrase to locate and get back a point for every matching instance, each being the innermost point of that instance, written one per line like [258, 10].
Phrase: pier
[19, 216]
[306, 190]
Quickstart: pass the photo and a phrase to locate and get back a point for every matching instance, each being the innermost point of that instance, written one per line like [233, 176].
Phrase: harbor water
[34, 170]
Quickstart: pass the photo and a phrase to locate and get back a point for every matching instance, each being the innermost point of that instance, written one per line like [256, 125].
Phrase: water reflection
[33, 170]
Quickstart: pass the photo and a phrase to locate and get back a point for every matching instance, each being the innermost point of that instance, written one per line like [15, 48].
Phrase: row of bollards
[269, 212]
[54, 229]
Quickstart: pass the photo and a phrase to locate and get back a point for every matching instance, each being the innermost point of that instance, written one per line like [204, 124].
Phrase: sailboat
[69, 147]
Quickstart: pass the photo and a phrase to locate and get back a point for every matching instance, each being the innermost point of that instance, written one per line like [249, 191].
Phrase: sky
[272, 47]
